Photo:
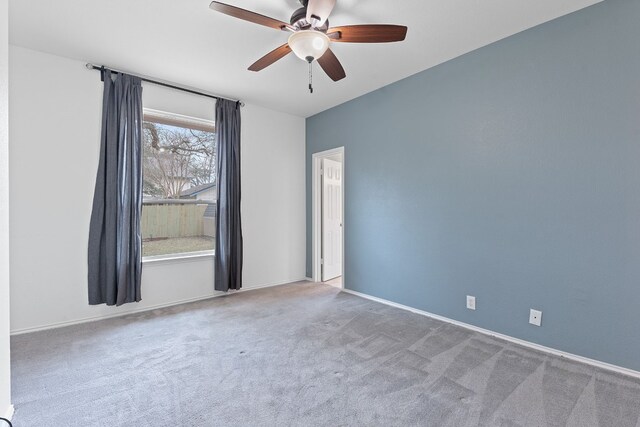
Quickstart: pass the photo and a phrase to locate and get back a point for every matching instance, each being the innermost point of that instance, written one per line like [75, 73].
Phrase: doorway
[328, 217]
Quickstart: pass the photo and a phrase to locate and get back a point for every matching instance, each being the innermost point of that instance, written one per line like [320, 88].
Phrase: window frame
[179, 120]
[175, 119]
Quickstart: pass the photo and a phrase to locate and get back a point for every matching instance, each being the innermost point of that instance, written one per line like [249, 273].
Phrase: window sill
[190, 256]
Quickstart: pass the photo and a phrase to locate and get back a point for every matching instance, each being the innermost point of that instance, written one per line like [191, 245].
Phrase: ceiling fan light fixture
[308, 44]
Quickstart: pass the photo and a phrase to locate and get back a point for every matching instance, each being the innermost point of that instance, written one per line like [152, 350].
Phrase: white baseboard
[560, 353]
[8, 413]
[142, 310]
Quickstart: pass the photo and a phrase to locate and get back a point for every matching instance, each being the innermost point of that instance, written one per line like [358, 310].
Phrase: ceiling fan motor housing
[299, 20]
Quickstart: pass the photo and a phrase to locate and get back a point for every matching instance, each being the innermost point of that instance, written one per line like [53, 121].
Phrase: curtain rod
[102, 68]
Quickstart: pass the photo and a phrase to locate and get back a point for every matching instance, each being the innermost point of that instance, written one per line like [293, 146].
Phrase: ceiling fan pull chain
[310, 77]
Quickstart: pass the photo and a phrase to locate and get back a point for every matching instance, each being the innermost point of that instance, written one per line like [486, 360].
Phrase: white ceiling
[183, 41]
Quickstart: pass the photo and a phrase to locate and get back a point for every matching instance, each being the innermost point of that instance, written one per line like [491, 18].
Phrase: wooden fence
[172, 218]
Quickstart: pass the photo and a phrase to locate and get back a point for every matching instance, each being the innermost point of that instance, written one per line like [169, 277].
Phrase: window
[179, 188]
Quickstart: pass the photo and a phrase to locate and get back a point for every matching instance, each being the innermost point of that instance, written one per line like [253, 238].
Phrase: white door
[331, 219]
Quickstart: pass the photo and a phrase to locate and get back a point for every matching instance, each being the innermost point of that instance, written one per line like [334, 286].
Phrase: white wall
[5, 365]
[55, 128]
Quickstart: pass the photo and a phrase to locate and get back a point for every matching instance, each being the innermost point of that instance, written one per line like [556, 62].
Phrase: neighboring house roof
[197, 189]
[210, 212]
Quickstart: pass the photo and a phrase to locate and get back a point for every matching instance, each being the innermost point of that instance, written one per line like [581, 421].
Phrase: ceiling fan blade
[270, 58]
[320, 10]
[247, 15]
[374, 33]
[332, 66]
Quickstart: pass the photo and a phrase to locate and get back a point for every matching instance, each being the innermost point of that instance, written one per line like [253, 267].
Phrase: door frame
[316, 212]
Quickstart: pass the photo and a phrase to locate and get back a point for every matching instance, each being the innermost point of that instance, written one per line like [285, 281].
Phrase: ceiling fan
[311, 35]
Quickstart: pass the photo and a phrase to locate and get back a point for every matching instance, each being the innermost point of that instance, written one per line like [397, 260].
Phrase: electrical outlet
[471, 302]
[535, 317]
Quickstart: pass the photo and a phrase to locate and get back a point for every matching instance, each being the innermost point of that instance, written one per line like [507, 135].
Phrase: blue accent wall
[511, 173]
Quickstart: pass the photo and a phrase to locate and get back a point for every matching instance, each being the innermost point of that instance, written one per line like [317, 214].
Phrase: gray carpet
[301, 355]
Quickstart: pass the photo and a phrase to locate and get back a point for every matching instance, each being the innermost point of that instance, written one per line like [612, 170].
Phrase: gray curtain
[114, 235]
[228, 258]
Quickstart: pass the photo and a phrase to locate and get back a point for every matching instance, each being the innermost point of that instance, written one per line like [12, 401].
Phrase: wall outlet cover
[535, 317]
[471, 302]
